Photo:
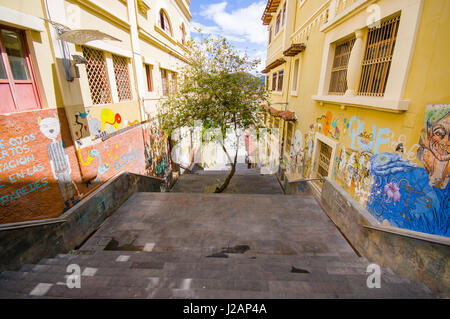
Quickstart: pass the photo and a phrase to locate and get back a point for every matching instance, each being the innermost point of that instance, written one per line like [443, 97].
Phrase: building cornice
[105, 13]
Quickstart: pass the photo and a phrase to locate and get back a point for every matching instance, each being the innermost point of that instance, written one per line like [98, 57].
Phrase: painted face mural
[434, 150]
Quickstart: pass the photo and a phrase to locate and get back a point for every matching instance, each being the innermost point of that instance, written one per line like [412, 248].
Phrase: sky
[237, 20]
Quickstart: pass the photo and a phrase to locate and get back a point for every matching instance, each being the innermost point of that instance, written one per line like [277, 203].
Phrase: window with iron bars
[122, 77]
[378, 57]
[97, 76]
[338, 79]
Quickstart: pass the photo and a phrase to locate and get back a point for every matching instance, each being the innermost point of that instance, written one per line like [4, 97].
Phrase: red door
[18, 90]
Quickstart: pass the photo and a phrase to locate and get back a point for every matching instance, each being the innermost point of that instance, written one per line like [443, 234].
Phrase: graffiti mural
[401, 195]
[400, 182]
[434, 150]
[157, 159]
[58, 158]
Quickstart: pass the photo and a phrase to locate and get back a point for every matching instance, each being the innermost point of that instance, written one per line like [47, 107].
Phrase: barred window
[378, 57]
[338, 81]
[97, 76]
[280, 80]
[122, 77]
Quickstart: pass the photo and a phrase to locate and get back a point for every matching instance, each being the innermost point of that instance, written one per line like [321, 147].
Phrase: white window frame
[355, 19]
[294, 91]
[315, 156]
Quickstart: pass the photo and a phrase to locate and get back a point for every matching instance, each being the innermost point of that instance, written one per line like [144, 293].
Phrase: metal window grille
[338, 80]
[280, 80]
[274, 81]
[378, 57]
[122, 77]
[97, 76]
[324, 159]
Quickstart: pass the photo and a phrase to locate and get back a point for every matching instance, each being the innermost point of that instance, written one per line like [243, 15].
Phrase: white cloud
[243, 24]
[214, 30]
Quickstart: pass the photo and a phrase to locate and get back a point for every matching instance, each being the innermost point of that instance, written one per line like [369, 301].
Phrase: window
[274, 81]
[284, 14]
[277, 25]
[289, 132]
[280, 80]
[97, 76]
[270, 35]
[164, 22]
[148, 73]
[18, 91]
[174, 83]
[122, 77]
[295, 76]
[183, 34]
[267, 82]
[338, 79]
[165, 80]
[377, 58]
[324, 159]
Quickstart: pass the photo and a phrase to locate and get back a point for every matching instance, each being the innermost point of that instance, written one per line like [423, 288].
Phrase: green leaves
[216, 88]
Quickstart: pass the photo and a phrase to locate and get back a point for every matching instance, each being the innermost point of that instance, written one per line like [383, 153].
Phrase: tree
[217, 89]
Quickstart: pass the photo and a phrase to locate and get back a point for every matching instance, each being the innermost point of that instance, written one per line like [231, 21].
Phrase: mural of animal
[109, 117]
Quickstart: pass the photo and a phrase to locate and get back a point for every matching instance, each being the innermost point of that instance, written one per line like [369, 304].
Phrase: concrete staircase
[180, 245]
[178, 274]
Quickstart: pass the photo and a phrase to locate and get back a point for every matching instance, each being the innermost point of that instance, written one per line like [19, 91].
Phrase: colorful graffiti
[59, 160]
[111, 118]
[390, 184]
[402, 196]
[434, 150]
[157, 157]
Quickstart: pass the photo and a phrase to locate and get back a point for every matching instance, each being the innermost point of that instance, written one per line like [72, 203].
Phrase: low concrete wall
[417, 256]
[28, 242]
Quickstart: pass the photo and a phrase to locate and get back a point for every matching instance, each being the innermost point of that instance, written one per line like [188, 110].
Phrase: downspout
[137, 57]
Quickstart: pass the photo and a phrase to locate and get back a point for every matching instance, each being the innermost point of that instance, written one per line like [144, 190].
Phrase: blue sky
[238, 20]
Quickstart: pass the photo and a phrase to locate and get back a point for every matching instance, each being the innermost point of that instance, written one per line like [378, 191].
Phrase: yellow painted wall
[427, 83]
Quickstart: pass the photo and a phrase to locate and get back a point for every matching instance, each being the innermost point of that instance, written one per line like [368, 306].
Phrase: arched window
[164, 22]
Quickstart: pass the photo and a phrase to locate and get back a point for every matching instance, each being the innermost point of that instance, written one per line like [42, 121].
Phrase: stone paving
[198, 245]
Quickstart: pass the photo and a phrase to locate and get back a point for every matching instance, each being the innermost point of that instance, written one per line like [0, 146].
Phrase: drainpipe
[137, 57]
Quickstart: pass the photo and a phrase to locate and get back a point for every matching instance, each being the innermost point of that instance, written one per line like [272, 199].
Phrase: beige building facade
[81, 82]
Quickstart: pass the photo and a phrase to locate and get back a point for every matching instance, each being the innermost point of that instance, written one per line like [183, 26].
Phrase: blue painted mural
[402, 195]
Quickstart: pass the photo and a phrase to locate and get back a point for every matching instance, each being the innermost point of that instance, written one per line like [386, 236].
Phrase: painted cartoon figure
[59, 160]
[434, 150]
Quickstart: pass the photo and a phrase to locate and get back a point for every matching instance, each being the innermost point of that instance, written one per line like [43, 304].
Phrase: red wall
[28, 188]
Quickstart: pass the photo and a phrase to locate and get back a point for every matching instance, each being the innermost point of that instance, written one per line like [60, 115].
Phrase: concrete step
[140, 287]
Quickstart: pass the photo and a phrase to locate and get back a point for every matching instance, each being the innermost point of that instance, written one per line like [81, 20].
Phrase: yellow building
[367, 81]
[80, 82]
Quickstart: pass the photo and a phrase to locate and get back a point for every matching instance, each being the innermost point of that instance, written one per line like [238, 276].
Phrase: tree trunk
[233, 169]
